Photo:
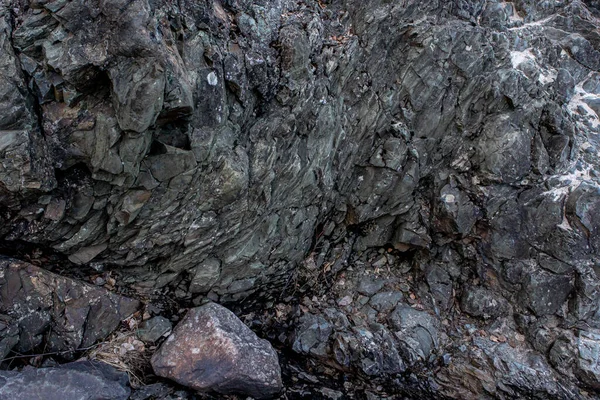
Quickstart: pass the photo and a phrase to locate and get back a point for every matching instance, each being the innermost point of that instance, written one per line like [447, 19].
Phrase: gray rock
[481, 302]
[210, 349]
[385, 301]
[440, 286]
[588, 347]
[82, 380]
[154, 328]
[312, 335]
[545, 293]
[332, 394]
[157, 391]
[416, 331]
[370, 285]
[137, 92]
[462, 134]
[205, 276]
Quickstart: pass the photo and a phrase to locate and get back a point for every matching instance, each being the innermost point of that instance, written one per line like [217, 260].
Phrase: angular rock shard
[212, 350]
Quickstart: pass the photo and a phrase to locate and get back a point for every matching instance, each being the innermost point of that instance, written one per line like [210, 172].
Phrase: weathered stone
[212, 350]
[385, 301]
[153, 329]
[312, 335]
[459, 137]
[82, 380]
[370, 285]
[545, 293]
[480, 302]
[137, 92]
[205, 276]
[440, 286]
[87, 254]
[60, 313]
[416, 331]
[588, 366]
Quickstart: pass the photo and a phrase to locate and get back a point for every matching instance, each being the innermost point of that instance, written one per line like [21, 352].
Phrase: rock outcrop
[229, 149]
[212, 350]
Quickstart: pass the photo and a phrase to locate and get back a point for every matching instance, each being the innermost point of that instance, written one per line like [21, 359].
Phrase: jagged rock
[312, 335]
[588, 348]
[212, 350]
[480, 302]
[416, 331]
[545, 293]
[369, 286]
[81, 380]
[502, 372]
[385, 301]
[62, 314]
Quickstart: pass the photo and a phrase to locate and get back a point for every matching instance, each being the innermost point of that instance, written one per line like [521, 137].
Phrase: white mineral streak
[533, 24]
[577, 105]
[519, 57]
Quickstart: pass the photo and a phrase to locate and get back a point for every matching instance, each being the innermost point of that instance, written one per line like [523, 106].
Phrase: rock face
[39, 308]
[82, 380]
[209, 148]
[212, 350]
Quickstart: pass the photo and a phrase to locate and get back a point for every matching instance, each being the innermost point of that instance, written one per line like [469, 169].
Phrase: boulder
[212, 350]
[82, 380]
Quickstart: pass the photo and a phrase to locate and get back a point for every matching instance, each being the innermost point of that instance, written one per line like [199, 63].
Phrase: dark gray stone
[312, 335]
[385, 301]
[481, 302]
[156, 391]
[545, 293]
[206, 148]
[370, 285]
[82, 380]
[416, 331]
[154, 328]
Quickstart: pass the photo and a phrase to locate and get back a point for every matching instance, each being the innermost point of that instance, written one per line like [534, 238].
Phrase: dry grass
[124, 351]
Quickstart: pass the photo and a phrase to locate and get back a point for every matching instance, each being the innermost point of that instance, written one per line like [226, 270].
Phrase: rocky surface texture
[411, 188]
[42, 310]
[73, 381]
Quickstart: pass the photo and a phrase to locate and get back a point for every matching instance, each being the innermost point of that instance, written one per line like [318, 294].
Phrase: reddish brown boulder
[212, 350]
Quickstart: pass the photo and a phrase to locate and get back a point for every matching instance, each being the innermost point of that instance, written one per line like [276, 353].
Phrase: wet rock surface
[402, 196]
[212, 350]
[74, 381]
